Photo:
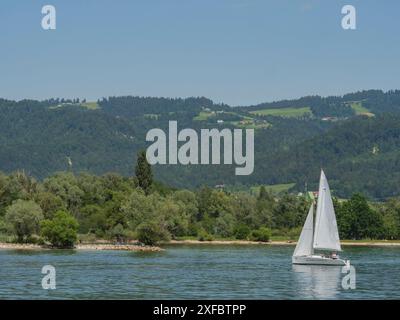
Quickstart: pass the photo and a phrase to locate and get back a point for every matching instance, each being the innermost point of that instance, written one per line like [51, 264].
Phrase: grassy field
[275, 188]
[202, 116]
[360, 110]
[246, 122]
[90, 105]
[87, 105]
[284, 112]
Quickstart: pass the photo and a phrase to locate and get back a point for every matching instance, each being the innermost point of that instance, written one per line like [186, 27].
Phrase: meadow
[359, 109]
[284, 112]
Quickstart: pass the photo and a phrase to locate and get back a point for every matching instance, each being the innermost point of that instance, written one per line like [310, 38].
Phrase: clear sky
[233, 51]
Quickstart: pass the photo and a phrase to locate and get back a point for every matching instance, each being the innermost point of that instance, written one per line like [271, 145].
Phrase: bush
[24, 218]
[150, 233]
[118, 233]
[242, 232]
[3, 227]
[263, 234]
[61, 231]
[204, 236]
[294, 233]
[193, 229]
[35, 239]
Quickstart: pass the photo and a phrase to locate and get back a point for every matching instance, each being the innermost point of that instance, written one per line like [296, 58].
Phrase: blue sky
[233, 51]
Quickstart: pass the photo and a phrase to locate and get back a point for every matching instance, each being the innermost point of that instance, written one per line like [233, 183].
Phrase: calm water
[197, 272]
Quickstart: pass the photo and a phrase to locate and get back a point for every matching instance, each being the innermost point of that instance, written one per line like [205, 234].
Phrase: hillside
[354, 137]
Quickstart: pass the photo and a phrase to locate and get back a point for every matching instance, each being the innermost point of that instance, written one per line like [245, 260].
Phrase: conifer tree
[143, 172]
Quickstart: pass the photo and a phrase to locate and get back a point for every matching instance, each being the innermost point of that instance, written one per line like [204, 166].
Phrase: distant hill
[359, 155]
[355, 137]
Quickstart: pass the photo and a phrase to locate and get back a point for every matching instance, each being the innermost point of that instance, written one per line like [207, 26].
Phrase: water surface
[197, 272]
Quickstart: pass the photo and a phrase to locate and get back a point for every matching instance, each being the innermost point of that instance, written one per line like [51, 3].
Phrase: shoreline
[83, 247]
[381, 243]
[139, 248]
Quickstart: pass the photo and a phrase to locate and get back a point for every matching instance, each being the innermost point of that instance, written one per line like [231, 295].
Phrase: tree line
[65, 208]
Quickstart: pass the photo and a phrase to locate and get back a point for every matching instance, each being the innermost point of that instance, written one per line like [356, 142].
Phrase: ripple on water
[196, 272]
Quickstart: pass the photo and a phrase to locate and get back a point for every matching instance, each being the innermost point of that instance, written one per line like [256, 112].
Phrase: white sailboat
[324, 236]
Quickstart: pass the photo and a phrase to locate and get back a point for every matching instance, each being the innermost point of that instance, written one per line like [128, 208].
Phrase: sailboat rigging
[323, 236]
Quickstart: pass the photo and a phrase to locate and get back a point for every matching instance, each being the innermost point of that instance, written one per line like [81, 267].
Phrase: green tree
[49, 203]
[143, 172]
[114, 213]
[242, 232]
[150, 233]
[174, 217]
[224, 225]
[138, 208]
[289, 212]
[65, 185]
[92, 187]
[24, 218]
[203, 200]
[188, 198]
[16, 186]
[61, 231]
[390, 211]
[357, 220]
[92, 219]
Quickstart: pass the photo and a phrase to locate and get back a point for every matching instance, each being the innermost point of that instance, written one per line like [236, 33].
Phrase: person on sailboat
[334, 255]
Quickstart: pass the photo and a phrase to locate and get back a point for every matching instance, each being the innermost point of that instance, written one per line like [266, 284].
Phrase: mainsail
[326, 236]
[304, 246]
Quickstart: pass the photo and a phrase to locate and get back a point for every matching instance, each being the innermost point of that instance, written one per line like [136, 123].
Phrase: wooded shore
[136, 247]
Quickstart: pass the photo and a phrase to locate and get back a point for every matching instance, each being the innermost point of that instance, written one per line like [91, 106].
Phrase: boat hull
[319, 260]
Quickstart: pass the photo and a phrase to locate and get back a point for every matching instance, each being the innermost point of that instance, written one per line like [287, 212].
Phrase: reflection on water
[318, 282]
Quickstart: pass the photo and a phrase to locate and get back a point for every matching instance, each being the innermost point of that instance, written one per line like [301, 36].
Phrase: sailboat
[324, 236]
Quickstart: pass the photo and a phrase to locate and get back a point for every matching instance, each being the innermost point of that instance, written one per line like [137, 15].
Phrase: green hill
[358, 153]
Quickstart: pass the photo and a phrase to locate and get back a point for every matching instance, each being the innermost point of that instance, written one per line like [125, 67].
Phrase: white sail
[304, 246]
[326, 236]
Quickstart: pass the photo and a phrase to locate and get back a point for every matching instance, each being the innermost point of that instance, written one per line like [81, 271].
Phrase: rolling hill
[355, 137]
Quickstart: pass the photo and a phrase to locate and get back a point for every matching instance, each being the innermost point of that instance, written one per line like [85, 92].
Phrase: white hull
[319, 260]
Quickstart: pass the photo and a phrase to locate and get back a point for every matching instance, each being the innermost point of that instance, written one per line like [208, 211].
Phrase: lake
[197, 272]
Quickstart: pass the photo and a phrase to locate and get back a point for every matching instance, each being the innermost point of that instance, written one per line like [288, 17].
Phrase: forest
[66, 208]
[357, 149]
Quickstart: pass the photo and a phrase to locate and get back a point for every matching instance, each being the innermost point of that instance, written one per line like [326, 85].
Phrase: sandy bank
[128, 247]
